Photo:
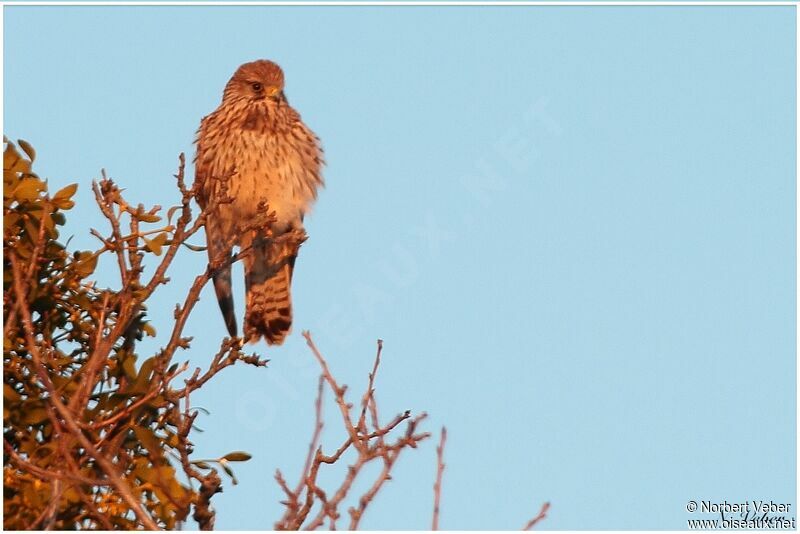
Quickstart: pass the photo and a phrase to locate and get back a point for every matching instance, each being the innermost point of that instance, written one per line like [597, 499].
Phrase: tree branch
[437, 486]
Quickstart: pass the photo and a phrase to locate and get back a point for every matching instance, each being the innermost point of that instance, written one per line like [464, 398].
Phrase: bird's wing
[219, 254]
[219, 247]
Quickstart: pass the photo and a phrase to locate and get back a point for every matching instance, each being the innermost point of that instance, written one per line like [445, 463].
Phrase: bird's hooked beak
[275, 93]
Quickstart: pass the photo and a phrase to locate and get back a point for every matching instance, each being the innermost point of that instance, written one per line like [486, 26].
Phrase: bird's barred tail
[269, 306]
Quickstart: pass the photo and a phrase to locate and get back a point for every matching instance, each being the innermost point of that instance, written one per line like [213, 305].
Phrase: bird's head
[258, 81]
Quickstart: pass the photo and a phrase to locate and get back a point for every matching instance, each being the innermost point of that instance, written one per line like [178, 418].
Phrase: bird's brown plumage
[255, 150]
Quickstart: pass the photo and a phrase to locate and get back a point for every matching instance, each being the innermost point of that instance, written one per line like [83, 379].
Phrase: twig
[337, 391]
[318, 424]
[130, 408]
[368, 395]
[37, 250]
[107, 209]
[370, 445]
[180, 235]
[45, 474]
[437, 486]
[542, 514]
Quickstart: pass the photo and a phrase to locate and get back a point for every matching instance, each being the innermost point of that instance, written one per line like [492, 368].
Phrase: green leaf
[10, 156]
[10, 220]
[34, 416]
[24, 145]
[154, 245]
[65, 384]
[10, 394]
[44, 450]
[21, 166]
[229, 471]
[59, 217]
[146, 217]
[85, 263]
[66, 193]
[28, 189]
[129, 367]
[148, 329]
[149, 439]
[237, 456]
[143, 379]
[62, 199]
[172, 439]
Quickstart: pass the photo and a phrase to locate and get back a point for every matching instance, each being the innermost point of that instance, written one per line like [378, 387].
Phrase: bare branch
[370, 445]
[542, 514]
[318, 425]
[338, 391]
[437, 486]
[368, 394]
[102, 196]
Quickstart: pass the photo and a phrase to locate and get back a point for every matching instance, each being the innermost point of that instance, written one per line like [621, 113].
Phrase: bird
[255, 156]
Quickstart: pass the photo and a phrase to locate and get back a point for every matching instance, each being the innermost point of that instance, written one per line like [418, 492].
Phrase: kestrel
[254, 154]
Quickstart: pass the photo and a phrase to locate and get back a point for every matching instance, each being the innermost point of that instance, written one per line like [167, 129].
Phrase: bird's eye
[257, 86]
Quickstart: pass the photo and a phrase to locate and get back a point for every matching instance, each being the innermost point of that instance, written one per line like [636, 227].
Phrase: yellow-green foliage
[49, 478]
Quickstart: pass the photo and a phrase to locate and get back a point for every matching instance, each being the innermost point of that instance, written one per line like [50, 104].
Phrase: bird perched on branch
[255, 155]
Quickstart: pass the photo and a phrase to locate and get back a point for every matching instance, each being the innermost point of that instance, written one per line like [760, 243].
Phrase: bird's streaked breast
[267, 158]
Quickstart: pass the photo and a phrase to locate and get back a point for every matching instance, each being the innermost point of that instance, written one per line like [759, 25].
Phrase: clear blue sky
[573, 227]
